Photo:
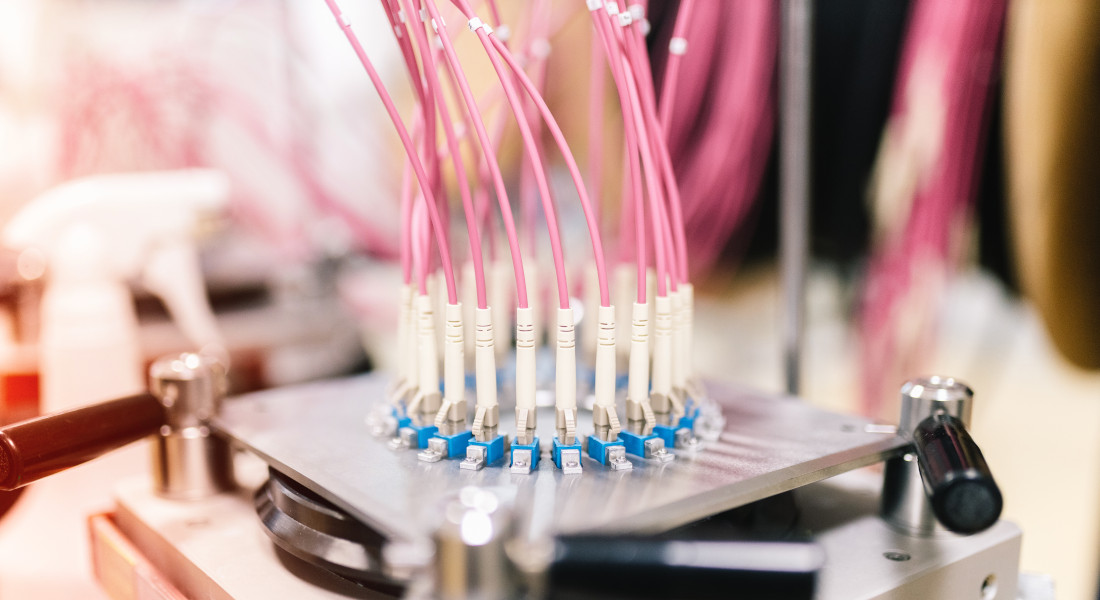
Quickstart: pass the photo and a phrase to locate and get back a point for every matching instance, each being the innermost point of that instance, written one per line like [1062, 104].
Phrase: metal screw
[896, 556]
[989, 587]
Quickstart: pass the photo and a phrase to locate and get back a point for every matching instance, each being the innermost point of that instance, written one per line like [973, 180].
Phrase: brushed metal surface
[317, 435]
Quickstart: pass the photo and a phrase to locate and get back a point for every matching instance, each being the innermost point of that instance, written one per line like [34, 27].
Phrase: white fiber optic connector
[694, 387]
[452, 415]
[590, 329]
[437, 291]
[679, 375]
[651, 292]
[402, 383]
[565, 388]
[428, 399]
[534, 300]
[500, 298]
[604, 417]
[469, 303]
[661, 396]
[487, 412]
[624, 290]
[526, 413]
[638, 409]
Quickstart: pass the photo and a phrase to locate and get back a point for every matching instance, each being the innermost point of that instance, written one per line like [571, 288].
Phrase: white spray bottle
[96, 234]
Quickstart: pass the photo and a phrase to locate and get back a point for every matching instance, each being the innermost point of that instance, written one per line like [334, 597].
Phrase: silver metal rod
[795, 78]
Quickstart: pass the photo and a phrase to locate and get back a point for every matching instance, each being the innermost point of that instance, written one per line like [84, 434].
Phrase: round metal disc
[310, 528]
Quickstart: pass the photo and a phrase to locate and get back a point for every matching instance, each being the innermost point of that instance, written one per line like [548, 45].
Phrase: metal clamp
[944, 484]
[188, 460]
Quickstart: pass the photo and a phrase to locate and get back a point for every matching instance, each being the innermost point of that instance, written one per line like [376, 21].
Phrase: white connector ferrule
[603, 413]
[487, 413]
[405, 326]
[679, 376]
[661, 395]
[525, 372]
[454, 370]
[566, 377]
[500, 298]
[637, 387]
[428, 398]
[687, 295]
[662, 347]
[534, 299]
[468, 293]
[624, 286]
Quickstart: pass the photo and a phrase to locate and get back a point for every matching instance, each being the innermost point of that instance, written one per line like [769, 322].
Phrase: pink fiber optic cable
[570, 162]
[720, 150]
[406, 223]
[635, 46]
[418, 78]
[633, 166]
[653, 186]
[964, 40]
[489, 152]
[431, 75]
[492, 41]
[528, 139]
[678, 44]
[597, 96]
[537, 64]
[406, 141]
[481, 173]
[647, 148]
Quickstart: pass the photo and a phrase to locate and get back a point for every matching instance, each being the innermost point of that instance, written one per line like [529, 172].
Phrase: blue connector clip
[456, 444]
[667, 434]
[480, 454]
[403, 420]
[567, 458]
[691, 412]
[423, 434]
[609, 453]
[525, 457]
[647, 446]
[635, 443]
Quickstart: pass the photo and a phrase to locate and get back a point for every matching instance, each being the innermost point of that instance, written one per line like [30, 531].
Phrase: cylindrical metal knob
[471, 560]
[945, 483]
[926, 396]
[188, 460]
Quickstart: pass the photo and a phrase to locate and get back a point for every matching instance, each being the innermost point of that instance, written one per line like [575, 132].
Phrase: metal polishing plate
[316, 434]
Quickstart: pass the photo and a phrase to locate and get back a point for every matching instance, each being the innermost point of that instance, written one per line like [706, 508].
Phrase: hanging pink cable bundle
[927, 170]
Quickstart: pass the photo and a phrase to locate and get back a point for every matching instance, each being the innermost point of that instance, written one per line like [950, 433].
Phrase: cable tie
[476, 23]
[594, 5]
[612, 8]
[504, 33]
[637, 12]
[625, 19]
[437, 25]
[540, 48]
[646, 27]
[401, 15]
[424, 15]
[678, 46]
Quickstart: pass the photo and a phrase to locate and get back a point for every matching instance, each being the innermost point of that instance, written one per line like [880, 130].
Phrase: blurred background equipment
[605, 245]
